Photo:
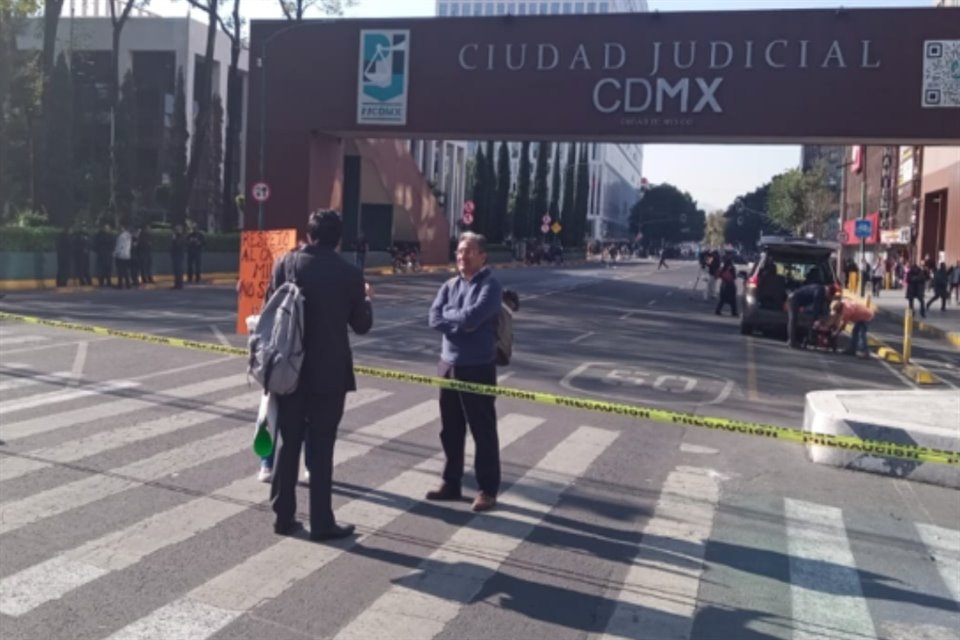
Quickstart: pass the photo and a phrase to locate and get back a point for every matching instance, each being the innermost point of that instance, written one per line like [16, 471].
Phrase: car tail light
[753, 280]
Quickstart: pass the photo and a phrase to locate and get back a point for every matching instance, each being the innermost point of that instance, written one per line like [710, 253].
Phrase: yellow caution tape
[783, 434]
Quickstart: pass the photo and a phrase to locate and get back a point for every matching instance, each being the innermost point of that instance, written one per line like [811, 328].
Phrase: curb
[11, 286]
[825, 413]
[953, 337]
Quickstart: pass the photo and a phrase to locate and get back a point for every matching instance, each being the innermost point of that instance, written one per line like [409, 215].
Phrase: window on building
[443, 9]
[501, 8]
[478, 8]
[522, 8]
[604, 7]
[511, 8]
[591, 7]
[554, 8]
[567, 7]
[578, 7]
[454, 9]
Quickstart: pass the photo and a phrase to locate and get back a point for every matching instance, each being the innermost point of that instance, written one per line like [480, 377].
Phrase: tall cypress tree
[479, 189]
[555, 186]
[59, 161]
[540, 193]
[581, 200]
[503, 194]
[566, 208]
[490, 195]
[126, 144]
[178, 155]
[521, 210]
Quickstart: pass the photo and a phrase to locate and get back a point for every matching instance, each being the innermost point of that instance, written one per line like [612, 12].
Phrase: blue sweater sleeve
[435, 319]
[471, 316]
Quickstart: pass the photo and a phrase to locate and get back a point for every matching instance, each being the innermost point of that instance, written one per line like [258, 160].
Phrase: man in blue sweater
[466, 312]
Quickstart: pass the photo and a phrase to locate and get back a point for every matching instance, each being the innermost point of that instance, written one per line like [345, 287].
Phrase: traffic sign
[467, 218]
[546, 218]
[556, 227]
[469, 207]
[842, 236]
[545, 228]
[260, 191]
[863, 228]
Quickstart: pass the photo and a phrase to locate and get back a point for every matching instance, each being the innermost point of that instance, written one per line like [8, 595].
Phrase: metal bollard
[907, 334]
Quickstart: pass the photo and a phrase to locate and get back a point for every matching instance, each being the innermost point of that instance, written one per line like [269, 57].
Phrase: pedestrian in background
[466, 312]
[146, 254]
[121, 255]
[81, 255]
[955, 281]
[813, 296]
[195, 244]
[336, 298]
[941, 287]
[103, 244]
[178, 245]
[728, 288]
[360, 255]
[916, 287]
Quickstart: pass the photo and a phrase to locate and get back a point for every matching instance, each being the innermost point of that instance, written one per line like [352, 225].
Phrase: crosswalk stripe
[10, 431]
[63, 395]
[825, 589]
[944, 545]
[659, 597]
[267, 574]
[24, 591]
[449, 578]
[104, 441]
[19, 383]
[8, 340]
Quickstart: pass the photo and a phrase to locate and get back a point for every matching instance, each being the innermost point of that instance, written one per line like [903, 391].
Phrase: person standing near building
[146, 255]
[466, 312]
[941, 287]
[955, 282]
[122, 251]
[195, 244]
[336, 298]
[81, 255]
[103, 244]
[178, 245]
[360, 254]
[916, 287]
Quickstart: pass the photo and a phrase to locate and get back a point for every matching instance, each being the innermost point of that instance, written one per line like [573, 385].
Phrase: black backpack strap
[290, 267]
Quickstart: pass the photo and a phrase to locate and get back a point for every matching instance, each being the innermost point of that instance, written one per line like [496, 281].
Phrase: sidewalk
[937, 324]
[915, 418]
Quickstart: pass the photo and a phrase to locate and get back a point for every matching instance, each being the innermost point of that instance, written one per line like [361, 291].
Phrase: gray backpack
[276, 343]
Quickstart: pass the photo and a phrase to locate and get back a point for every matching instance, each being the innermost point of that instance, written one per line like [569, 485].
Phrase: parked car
[785, 264]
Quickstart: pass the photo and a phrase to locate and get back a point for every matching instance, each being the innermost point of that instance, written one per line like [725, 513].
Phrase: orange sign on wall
[259, 251]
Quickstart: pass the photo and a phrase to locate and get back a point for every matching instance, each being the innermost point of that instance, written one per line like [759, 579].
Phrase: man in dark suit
[336, 297]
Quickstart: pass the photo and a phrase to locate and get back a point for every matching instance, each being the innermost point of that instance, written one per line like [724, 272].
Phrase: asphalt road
[129, 506]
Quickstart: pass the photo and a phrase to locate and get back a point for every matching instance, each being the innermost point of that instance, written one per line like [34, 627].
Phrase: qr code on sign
[941, 73]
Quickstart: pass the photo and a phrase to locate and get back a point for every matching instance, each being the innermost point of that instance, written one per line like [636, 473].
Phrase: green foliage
[126, 144]
[541, 194]
[748, 221]
[503, 193]
[178, 154]
[715, 231]
[581, 201]
[801, 202]
[30, 239]
[521, 209]
[59, 198]
[567, 218]
[488, 222]
[666, 215]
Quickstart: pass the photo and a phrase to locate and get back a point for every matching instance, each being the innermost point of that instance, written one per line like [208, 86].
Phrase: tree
[117, 22]
[667, 215]
[295, 9]
[20, 93]
[479, 192]
[747, 220]
[566, 210]
[801, 202]
[555, 186]
[122, 193]
[503, 193]
[232, 27]
[58, 185]
[521, 209]
[490, 194]
[177, 149]
[540, 193]
[581, 201]
[203, 98]
[716, 229]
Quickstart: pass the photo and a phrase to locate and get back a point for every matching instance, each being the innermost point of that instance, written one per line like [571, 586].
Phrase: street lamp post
[262, 65]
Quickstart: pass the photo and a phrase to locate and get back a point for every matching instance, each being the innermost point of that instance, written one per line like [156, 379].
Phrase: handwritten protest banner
[258, 252]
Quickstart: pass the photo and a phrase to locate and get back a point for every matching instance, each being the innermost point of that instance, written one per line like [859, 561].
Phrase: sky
[713, 174]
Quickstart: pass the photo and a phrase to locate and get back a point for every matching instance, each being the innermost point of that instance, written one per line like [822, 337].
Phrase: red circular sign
[468, 218]
[260, 191]
[468, 207]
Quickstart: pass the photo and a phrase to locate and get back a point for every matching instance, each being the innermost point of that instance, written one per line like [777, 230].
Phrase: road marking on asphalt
[825, 585]
[659, 594]
[30, 427]
[59, 377]
[697, 449]
[420, 604]
[752, 393]
[266, 575]
[670, 292]
[944, 545]
[28, 589]
[63, 395]
[504, 376]
[222, 339]
[13, 339]
[79, 360]
[651, 303]
[581, 337]
[627, 315]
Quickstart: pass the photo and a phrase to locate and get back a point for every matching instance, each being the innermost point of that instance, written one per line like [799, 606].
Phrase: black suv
[785, 264]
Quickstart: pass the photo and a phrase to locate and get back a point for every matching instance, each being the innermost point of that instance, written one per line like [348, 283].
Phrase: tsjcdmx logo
[384, 67]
